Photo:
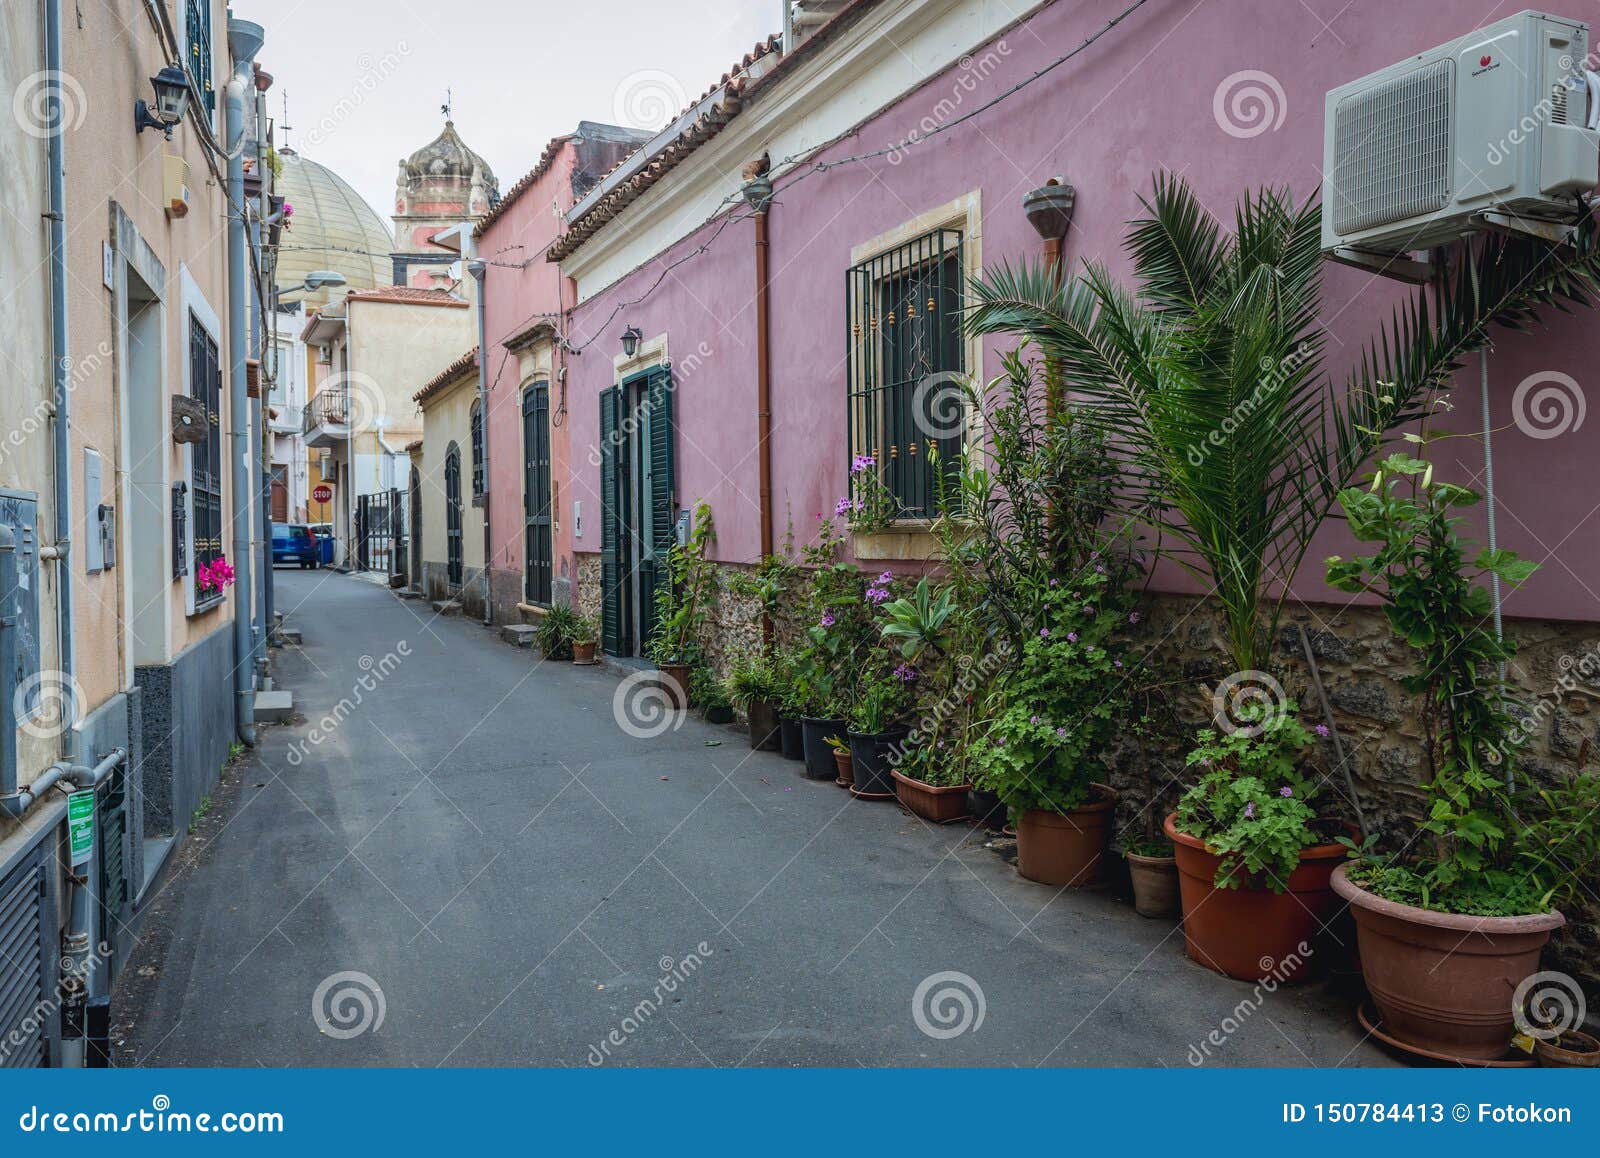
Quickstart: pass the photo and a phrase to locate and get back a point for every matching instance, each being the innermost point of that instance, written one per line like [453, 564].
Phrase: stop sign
[322, 493]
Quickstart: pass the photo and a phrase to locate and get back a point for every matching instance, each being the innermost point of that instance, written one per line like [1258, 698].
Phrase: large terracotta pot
[1066, 848]
[1252, 932]
[1444, 982]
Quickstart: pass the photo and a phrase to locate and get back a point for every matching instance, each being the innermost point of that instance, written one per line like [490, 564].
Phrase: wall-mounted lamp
[172, 101]
[630, 341]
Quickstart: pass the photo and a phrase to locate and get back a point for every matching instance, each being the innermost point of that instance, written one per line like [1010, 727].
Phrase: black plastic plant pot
[764, 735]
[820, 764]
[871, 756]
[791, 740]
[986, 808]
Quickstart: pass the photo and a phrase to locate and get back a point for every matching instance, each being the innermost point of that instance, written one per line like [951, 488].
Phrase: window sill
[908, 540]
[207, 603]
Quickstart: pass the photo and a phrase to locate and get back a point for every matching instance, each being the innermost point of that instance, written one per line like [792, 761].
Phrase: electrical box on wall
[175, 186]
[99, 517]
[1503, 120]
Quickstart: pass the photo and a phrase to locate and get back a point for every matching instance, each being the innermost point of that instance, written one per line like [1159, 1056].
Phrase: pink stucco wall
[519, 286]
[1138, 101]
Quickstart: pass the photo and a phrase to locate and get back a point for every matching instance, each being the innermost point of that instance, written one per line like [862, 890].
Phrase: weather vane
[445, 108]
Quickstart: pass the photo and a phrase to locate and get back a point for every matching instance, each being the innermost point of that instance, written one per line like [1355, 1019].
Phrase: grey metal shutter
[27, 964]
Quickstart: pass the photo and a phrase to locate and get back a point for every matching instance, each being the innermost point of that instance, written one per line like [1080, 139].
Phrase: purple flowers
[878, 589]
[1133, 617]
[1034, 720]
[1072, 636]
[1286, 792]
[1044, 633]
[827, 619]
[905, 673]
[1250, 810]
[862, 462]
[846, 506]
[877, 594]
[1062, 732]
[1322, 730]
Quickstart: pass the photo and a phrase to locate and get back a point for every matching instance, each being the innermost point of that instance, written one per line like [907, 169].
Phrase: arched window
[477, 450]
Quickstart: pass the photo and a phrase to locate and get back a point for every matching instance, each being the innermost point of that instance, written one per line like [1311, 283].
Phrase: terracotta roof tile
[448, 376]
[410, 295]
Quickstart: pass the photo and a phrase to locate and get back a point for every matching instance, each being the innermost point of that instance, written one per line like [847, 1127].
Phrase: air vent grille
[1392, 150]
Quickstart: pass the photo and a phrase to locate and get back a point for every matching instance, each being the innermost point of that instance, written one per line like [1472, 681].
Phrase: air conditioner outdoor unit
[1499, 121]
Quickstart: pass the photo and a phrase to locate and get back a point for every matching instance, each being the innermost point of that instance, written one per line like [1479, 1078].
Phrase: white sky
[365, 79]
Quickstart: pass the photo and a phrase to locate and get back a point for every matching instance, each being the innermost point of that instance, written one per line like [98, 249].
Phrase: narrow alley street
[528, 884]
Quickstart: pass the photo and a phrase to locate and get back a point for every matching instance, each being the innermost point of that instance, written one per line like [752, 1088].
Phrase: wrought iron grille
[198, 27]
[329, 406]
[905, 355]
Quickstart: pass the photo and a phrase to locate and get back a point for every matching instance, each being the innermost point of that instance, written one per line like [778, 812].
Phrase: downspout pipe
[244, 41]
[479, 271]
[8, 663]
[758, 194]
[60, 362]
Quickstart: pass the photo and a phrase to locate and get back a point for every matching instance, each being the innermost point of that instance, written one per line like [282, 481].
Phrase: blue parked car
[294, 543]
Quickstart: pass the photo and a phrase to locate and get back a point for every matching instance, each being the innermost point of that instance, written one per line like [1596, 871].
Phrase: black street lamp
[630, 341]
[172, 101]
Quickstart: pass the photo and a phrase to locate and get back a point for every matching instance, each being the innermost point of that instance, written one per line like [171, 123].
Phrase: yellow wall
[447, 418]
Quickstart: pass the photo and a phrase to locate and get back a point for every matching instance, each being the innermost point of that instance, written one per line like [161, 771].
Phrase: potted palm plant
[556, 631]
[1232, 441]
[1450, 926]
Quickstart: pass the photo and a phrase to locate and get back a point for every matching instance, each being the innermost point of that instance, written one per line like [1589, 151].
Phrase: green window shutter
[659, 493]
[613, 636]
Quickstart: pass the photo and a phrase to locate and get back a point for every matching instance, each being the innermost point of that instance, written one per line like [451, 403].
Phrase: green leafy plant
[1253, 803]
[556, 632]
[880, 700]
[1059, 708]
[585, 630]
[1440, 605]
[706, 691]
[752, 680]
[684, 600]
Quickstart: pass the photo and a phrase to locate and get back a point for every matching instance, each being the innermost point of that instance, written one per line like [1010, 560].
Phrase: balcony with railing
[327, 416]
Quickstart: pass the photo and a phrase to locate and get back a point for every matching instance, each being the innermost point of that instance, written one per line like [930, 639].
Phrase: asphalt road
[473, 835]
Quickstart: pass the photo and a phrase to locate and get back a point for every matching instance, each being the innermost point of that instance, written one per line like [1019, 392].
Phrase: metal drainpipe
[764, 394]
[8, 662]
[266, 294]
[479, 271]
[59, 358]
[244, 40]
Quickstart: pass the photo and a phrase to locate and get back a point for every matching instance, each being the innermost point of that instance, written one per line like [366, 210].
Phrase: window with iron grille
[206, 460]
[477, 451]
[905, 353]
[198, 30]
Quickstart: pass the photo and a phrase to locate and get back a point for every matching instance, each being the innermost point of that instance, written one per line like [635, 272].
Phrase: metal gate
[381, 532]
[452, 517]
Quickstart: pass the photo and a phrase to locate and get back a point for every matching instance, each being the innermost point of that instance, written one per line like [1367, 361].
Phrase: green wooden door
[657, 500]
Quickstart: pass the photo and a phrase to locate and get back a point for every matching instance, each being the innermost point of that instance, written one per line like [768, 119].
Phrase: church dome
[446, 157]
[332, 228]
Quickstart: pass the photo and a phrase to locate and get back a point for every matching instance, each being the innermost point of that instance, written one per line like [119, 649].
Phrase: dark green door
[656, 501]
[616, 596]
[536, 497]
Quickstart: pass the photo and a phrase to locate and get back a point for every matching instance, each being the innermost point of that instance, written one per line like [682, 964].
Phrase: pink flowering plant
[870, 506]
[828, 661]
[215, 577]
[1254, 803]
[1059, 710]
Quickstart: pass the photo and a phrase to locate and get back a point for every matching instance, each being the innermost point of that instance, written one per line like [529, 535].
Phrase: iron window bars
[905, 348]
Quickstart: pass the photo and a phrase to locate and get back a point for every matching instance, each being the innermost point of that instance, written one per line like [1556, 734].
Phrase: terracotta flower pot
[1066, 848]
[814, 735]
[675, 681]
[846, 767]
[1155, 884]
[1251, 932]
[1574, 1049]
[940, 805]
[583, 653]
[763, 718]
[870, 756]
[790, 740]
[1443, 982]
